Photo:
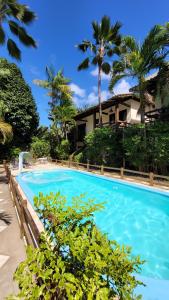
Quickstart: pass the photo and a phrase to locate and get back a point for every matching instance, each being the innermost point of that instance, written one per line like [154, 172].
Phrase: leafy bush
[14, 152]
[147, 147]
[63, 149]
[80, 157]
[102, 146]
[40, 148]
[74, 259]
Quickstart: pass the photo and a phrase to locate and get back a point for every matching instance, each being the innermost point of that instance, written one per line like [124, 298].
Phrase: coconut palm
[139, 60]
[106, 38]
[58, 86]
[6, 133]
[15, 15]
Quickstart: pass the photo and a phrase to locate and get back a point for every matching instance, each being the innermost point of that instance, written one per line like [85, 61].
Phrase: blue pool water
[135, 216]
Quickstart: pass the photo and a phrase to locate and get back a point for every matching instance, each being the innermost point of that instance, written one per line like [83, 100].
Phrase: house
[120, 110]
[157, 90]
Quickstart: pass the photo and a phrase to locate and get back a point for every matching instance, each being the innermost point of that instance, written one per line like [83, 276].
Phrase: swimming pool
[133, 215]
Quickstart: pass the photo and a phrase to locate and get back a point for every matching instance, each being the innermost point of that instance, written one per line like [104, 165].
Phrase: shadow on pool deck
[12, 249]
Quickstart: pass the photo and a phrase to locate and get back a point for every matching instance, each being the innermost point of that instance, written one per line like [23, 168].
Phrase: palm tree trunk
[99, 96]
[142, 101]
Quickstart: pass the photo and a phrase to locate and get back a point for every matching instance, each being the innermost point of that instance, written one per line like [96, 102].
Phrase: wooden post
[77, 165]
[88, 166]
[151, 178]
[102, 170]
[22, 218]
[69, 163]
[116, 113]
[122, 173]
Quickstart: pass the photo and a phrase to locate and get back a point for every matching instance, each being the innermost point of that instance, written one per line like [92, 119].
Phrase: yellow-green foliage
[75, 260]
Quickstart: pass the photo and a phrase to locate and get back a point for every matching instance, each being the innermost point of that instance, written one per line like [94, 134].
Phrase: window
[112, 118]
[81, 132]
[123, 115]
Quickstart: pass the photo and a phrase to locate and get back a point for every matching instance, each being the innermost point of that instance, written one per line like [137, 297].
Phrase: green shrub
[74, 259]
[80, 157]
[14, 152]
[40, 148]
[63, 149]
[102, 146]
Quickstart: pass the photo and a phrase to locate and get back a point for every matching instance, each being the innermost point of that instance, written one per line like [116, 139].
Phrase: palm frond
[105, 26]
[106, 68]
[130, 43]
[84, 65]
[95, 60]
[85, 45]
[2, 36]
[21, 33]
[114, 35]
[42, 83]
[6, 133]
[115, 79]
[118, 66]
[28, 16]
[96, 31]
[13, 49]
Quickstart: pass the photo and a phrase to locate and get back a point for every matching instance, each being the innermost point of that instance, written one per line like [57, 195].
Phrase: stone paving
[12, 248]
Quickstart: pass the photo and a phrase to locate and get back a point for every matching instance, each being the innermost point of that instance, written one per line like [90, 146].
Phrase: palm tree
[58, 86]
[15, 14]
[6, 133]
[106, 39]
[64, 118]
[139, 60]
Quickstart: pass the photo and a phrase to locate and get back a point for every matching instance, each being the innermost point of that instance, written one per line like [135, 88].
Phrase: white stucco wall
[132, 114]
[89, 124]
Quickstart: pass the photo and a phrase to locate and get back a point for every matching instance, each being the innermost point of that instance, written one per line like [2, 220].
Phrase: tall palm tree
[15, 14]
[58, 86]
[139, 60]
[106, 39]
[6, 133]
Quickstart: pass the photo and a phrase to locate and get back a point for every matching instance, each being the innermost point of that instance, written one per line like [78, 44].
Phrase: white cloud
[80, 99]
[122, 87]
[94, 73]
[77, 90]
[34, 71]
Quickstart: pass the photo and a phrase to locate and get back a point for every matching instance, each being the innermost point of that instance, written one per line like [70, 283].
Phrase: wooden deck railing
[28, 227]
[150, 178]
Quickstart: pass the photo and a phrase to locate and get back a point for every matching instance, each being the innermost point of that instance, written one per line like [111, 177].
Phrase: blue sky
[63, 24]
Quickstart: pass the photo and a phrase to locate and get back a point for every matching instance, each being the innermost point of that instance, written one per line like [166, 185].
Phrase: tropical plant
[63, 149]
[102, 146]
[139, 60]
[106, 39]
[21, 108]
[40, 148]
[63, 117]
[6, 132]
[15, 14]
[74, 259]
[58, 86]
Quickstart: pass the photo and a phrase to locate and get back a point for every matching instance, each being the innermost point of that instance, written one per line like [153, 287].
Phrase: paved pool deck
[12, 247]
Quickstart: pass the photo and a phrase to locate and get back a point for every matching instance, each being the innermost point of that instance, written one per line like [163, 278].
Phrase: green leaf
[2, 36]
[13, 49]
[84, 65]
[106, 68]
